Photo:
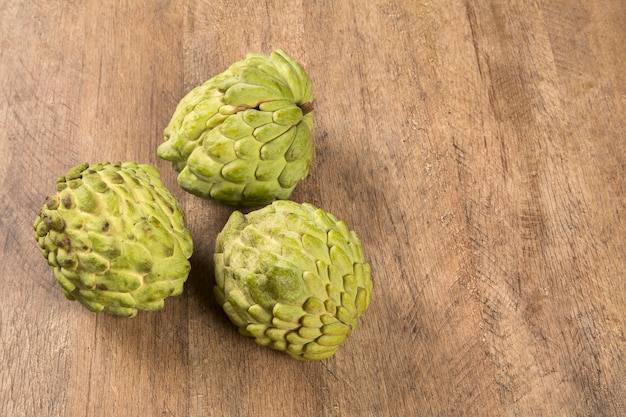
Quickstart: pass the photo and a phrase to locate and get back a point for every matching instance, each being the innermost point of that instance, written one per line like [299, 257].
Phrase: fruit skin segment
[115, 238]
[293, 277]
[244, 136]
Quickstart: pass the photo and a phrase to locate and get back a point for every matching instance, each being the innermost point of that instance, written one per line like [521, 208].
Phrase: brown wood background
[477, 147]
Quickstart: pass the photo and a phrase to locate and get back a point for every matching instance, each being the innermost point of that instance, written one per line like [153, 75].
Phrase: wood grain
[476, 147]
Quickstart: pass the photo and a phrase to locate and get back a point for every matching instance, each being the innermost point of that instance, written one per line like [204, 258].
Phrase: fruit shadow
[205, 219]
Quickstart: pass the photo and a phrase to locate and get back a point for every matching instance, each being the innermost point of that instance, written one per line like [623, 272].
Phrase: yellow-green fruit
[293, 277]
[115, 238]
[244, 136]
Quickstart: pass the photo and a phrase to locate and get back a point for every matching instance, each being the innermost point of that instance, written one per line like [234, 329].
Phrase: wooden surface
[477, 147]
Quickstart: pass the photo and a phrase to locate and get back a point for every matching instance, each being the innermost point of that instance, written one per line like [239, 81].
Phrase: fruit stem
[306, 107]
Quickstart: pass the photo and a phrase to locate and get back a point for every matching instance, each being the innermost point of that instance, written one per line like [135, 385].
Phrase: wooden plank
[475, 147]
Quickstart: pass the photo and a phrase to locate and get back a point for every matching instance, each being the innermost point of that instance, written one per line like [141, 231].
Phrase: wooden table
[477, 148]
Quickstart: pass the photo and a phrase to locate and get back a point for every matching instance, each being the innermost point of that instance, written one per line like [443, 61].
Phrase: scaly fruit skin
[293, 277]
[244, 136]
[115, 238]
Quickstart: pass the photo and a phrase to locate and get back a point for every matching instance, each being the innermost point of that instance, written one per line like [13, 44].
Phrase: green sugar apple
[244, 136]
[115, 238]
[292, 277]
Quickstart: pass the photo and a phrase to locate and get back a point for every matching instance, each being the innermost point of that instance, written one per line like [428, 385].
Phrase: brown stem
[306, 107]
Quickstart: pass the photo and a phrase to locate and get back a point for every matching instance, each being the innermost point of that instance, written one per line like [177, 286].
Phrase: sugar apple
[293, 277]
[244, 136]
[115, 238]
